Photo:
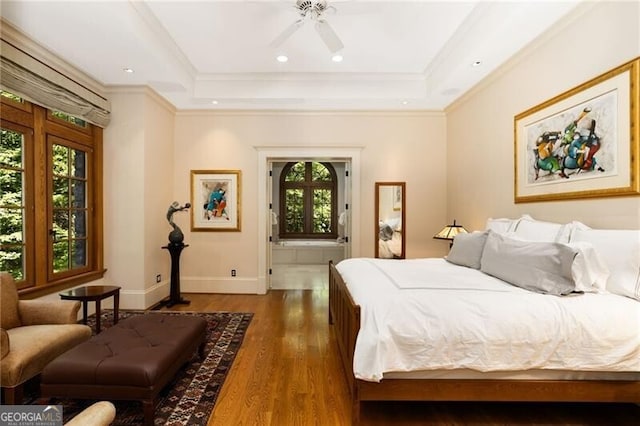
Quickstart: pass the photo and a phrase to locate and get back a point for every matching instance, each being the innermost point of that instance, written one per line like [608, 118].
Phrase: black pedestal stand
[174, 296]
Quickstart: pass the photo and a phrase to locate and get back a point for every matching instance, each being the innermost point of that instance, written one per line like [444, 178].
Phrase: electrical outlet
[158, 278]
[233, 272]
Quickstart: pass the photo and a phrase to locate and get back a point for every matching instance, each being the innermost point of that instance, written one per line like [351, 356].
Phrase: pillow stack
[553, 258]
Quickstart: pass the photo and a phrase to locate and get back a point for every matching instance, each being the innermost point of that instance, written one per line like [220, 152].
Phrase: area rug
[190, 398]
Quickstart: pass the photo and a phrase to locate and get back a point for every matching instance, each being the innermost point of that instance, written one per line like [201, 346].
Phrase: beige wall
[138, 179]
[150, 150]
[395, 147]
[480, 173]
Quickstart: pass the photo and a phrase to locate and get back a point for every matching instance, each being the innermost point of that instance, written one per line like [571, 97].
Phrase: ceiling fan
[312, 10]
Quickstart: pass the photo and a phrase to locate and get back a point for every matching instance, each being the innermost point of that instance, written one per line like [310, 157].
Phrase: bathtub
[307, 252]
[307, 243]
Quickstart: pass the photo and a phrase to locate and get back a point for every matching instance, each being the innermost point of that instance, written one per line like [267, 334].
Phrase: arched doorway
[350, 156]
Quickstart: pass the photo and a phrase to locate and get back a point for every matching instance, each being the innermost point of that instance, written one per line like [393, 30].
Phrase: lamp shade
[450, 231]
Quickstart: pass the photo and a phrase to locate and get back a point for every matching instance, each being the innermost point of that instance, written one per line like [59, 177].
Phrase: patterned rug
[189, 399]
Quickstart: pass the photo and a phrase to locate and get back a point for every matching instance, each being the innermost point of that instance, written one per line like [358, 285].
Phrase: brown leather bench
[132, 360]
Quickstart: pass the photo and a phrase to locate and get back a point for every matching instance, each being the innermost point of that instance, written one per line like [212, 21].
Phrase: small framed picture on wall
[215, 200]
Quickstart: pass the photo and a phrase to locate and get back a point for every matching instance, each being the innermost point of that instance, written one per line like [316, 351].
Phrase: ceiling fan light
[282, 58]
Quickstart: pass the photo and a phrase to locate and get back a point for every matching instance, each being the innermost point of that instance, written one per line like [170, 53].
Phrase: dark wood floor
[288, 373]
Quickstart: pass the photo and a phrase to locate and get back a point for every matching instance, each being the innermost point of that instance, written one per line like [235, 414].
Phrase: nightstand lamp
[450, 231]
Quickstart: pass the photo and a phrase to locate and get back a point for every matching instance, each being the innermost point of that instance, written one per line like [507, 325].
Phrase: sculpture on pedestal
[175, 247]
[176, 236]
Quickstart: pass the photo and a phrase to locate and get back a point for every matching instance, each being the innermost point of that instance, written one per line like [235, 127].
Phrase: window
[308, 200]
[50, 200]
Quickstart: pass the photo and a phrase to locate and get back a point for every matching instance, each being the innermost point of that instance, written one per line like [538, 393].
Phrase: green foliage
[294, 211]
[296, 173]
[322, 211]
[69, 118]
[302, 176]
[11, 203]
[69, 206]
[320, 173]
[11, 96]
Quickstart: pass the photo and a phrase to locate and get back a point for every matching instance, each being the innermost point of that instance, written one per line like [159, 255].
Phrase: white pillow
[530, 229]
[542, 267]
[395, 223]
[620, 251]
[589, 272]
[467, 249]
[535, 230]
[502, 225]
[567, 231]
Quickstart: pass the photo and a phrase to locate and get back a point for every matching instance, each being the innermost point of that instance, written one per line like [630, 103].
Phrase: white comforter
[427, 314]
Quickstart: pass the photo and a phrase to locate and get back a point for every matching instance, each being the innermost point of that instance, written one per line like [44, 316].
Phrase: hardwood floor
[288, 373]
[299, 277]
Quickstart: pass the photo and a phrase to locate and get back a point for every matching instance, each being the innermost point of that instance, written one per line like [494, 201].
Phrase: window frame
[43, 128]
[57, 140]
[308, 186]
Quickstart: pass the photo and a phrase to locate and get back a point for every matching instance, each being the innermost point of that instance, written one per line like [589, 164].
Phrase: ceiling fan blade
[286, 33]
[329, 36]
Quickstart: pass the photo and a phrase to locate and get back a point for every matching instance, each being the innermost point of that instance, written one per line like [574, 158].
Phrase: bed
[377, 369]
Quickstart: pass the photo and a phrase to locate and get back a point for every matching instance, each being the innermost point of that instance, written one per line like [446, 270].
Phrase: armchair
[32, 334]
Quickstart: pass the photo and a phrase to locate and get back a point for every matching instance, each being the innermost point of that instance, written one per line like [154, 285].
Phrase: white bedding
[392, 248]
[428, 314]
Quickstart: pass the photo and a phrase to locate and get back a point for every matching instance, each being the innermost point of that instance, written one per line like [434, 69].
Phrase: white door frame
[266, 155]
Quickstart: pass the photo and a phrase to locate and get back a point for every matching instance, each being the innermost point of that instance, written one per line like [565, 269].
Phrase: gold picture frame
[215, 200]
[583, 143]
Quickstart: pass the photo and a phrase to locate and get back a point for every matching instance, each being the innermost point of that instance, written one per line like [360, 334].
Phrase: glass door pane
[12, 204]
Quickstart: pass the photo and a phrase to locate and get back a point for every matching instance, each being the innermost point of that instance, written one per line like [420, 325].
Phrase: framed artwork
[215, 200]
[583, 143]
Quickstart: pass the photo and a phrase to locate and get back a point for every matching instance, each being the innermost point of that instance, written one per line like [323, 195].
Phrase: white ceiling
[397, 54]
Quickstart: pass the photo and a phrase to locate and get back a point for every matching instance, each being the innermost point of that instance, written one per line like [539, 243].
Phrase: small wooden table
[94, 293]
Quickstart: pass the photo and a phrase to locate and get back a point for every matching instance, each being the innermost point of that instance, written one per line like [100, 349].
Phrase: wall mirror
[390, 226]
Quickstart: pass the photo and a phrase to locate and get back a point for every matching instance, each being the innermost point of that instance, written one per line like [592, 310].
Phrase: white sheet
[392, 248]
[428, 314]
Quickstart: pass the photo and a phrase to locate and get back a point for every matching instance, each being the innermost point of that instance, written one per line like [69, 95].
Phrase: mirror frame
[403, 210]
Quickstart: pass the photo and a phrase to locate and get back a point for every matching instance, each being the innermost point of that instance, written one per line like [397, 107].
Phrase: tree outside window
[308, 200]
[50, 197]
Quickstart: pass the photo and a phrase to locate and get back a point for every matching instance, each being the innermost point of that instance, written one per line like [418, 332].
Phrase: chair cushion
[101, 413]
[9, 317]
[35, 346]
[4, 342]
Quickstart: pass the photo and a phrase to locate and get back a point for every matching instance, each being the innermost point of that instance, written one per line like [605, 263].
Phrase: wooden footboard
[344, 315]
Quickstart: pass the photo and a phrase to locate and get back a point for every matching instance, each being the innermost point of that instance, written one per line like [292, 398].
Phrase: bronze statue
[176, 236]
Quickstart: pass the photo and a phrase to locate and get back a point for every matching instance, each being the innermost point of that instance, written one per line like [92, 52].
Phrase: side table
[94, 293]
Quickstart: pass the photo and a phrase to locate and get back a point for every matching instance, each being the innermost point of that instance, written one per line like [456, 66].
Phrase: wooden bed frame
[344, 315]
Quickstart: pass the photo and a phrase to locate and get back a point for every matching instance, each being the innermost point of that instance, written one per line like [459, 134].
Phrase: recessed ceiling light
[128, 70]
[214, 102]
[282, 58]
[405, 102]
[476, 63]
[337, 58]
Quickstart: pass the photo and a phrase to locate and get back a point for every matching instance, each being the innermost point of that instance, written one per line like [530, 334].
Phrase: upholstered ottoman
[132, 360]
